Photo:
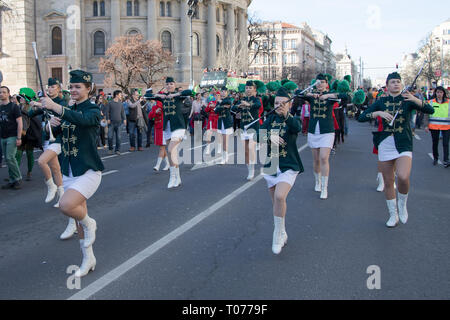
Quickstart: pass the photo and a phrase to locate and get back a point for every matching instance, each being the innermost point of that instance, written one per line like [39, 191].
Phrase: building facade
[75, 34]
[346, 66]
[441, 35]
[289, 51]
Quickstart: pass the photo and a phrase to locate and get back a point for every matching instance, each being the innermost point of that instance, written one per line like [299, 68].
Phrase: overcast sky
[379, 31]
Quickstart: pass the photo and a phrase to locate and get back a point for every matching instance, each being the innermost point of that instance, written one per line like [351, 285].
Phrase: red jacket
[159, 122]
[213, 118]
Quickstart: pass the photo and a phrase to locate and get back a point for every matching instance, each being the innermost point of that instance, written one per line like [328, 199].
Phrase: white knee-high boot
[324, 194]
[380, 180]
[279, 235]
[393, 215]
[59, 194]
[158, 164]
[251, 171]
[402, 211]
[89, 262]
[318, 187]
[71, 229]
[173, 178]
[51, 190]
[167, 167]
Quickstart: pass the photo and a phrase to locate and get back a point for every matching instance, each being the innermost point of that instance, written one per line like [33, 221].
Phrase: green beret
[260, 87]
[170, 79]
[394, 75]
[284, 81]
[250, 83]
[53, 81]
[348, 78]
[283, 92]
[359, 97]
[80, 76]
[321, 76]
[28, 94]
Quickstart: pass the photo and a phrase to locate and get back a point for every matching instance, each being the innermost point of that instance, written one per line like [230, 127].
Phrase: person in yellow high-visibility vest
[440, 122]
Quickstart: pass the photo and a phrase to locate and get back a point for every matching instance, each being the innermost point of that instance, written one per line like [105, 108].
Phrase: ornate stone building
[74, 34]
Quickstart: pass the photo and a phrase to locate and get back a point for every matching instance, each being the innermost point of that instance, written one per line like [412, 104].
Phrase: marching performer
[174, 126]
[157, 114]
[249, 108]
[394, 143]
[284, 164]
[80, 163]
[48, 161]
[225, 121]
[321, 132]
[212, 119]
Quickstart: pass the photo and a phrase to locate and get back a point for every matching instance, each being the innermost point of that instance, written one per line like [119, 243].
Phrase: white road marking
[114, 156]
[417, 137]
[131, 263]
[109, 172]
[210, 163]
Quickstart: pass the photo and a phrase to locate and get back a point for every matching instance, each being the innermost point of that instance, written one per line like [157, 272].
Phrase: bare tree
[233, 57]
[256, 33]
[131, 61]
[430, 51]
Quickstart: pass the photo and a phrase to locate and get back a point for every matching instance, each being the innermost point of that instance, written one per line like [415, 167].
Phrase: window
[136, 8]
[102, 8]
[266, 60]
[274, 74]
[195, 45]
[99, 43]
[285, 58]
[293, 58]
[265, 44]
[293, 44]
[133, 32]
[197, 13]
[265, 74]
[285, 44]
[169, 9]
[217, 44]
[95, 8]
[274, 58]
[274, 43]
[255, 46]
[257, 59]
[129, 8]
[56, 41]
[166, 40]
[218, 14]
[57, 73]
[162, 9]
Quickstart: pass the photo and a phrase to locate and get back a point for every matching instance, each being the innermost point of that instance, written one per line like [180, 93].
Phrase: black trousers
[435, 136]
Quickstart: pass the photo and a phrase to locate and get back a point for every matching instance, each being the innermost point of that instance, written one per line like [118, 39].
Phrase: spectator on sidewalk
[134, 119]
[115, 116]
[11, 136]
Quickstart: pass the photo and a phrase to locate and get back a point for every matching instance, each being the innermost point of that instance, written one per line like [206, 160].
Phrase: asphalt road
[211, 238]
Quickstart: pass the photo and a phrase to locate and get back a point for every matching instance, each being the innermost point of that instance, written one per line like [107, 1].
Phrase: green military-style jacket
[322, 112]
[173, 112]
[225, 117]
[401, 129]
[36, 112]
[248, 115]
[288, 129]
[78, 137]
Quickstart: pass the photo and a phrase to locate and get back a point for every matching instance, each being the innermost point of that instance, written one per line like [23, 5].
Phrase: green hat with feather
[348, 78]
[273, 86]
[343, 86]
[329, 77]
[260, 87]
[334, 85]
[241, 88]
[290, 86]
[359, 97]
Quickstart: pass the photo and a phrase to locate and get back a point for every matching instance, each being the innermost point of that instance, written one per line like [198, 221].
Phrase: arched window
[166, 40]
[169, 9]
[56, 41]
[99, 43]
[95, 9]
[102, 9]
[136, 8]
[217, 44]
[133, 32]
[162, 9]
[129, 8]
[196, 45]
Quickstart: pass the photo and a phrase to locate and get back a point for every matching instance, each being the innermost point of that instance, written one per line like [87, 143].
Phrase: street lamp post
[193, 6]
